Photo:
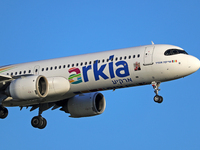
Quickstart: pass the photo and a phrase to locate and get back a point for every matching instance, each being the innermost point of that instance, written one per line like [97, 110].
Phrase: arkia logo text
[98, 71]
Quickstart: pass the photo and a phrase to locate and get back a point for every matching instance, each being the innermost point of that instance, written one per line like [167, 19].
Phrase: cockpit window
[174, 52]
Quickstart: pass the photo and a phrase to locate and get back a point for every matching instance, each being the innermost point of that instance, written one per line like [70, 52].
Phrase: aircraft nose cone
[194, 63]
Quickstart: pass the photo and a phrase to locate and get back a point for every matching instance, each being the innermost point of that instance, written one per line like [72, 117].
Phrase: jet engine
[58, 86]
[29, 87]
[85, 105]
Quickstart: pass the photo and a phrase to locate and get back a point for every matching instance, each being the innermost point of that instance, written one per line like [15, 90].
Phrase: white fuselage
[107, 70]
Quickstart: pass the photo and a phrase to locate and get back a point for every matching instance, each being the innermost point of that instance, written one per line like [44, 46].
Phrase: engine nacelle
[58, 86]
[86, 105]
[29, 87]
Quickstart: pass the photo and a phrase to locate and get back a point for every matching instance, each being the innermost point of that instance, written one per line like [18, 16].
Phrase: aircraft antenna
[152, 42]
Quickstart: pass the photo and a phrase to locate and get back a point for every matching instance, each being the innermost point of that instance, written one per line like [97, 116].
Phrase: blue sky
[37, 30]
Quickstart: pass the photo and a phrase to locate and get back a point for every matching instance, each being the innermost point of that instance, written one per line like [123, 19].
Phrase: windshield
[174, 52]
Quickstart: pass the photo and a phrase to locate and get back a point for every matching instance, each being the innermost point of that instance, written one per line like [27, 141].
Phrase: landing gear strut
[157, 98]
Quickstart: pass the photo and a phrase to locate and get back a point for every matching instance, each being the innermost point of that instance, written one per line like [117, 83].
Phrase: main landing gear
[38, 121]
[157, 98]
[3, 112]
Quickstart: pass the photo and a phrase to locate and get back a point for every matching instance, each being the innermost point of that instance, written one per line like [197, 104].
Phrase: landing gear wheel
[158, 99]
[39, 122]
[43, 124]
[3, 112]
[35, 122]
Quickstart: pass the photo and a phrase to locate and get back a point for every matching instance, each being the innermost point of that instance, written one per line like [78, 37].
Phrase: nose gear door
[148, 55]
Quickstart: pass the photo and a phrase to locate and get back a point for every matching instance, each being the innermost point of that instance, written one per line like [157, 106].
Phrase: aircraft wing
[4, 78]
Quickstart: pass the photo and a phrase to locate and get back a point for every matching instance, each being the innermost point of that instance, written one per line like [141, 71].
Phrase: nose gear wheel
[157, 98]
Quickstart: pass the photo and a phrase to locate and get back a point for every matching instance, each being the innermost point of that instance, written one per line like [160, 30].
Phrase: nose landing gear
[157, 98]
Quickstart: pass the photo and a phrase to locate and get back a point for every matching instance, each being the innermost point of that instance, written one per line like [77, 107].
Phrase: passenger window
[138, 55]
[85, 63]
[90, 62]
[133, 56]
[55, 67]
[81, 63]
[28, 71]
[47, 69]
[120, 58]
[63, 66]
[42, 69]
[124, 57]
[129, 57]
[35, 71]
[59, 67]
[68, 65]
[77, 64]
[116, 59]
[11, 74]
[98, 61]
[107, 60]
[103, 61]
[51, 68]
[15, 73]
[20, 72]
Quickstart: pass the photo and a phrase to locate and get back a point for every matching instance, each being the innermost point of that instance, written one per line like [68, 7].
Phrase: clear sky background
[44, 29]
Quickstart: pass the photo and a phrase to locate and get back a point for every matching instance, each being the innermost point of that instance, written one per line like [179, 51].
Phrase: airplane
[73, 83]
